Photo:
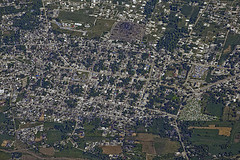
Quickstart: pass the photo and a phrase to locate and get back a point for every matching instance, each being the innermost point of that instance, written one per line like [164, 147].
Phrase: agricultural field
[147, 141]
[69, 153]
[224, 131]
[209, 134]
[111, 149]
[165, 146]
[230, 114]
[154, 145]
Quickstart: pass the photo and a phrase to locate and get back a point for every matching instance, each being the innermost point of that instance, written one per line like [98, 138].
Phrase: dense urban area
[119, 79]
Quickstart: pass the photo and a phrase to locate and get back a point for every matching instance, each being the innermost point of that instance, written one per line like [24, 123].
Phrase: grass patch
[216, 144]
[204, 136]
[215, 109]
[69, 153]
[91, 131]
[77, 16]
[54, 136]
[101, 26]
[186, 10]
[212, 106]
[5, 156]
[165, 146]
[29, 125]
[232, 41]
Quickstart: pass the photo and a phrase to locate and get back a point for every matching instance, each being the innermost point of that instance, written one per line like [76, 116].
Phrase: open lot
[115, 150]
[165, 146]
[53, 136]
[80, 16]
[5, 156]
[47, 151]
[147, 141]
[153, 144]
[101, 26]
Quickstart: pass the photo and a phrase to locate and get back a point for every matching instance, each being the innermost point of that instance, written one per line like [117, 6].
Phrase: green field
[215, 109]
[71, 153]
[101, 26]
[165, 146]
[91, 131]
[204, 136]
[211, 106]
[5, 156]
[216, 143]
[232, 40]
[81, 16]
[53, 136]
[186, 10]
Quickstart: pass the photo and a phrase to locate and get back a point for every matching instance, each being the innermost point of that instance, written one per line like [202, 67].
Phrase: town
[147, 79]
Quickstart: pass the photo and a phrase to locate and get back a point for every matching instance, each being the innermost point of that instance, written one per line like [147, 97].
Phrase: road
[216, 83]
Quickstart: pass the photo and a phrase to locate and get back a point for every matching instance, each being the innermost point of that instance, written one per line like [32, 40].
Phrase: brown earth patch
[28, 157]
[227, 50]
[147, 141]
[47, 151]
[146, 137]
[112, 150]
[237, 138]
[148, 147]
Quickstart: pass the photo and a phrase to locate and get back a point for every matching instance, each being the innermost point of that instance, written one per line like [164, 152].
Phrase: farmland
[111, 149]
[225, 131]
[165, 146]
[154, 145]
[218, 137]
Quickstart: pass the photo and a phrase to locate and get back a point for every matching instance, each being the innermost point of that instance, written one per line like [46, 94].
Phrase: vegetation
[165, 146]
[149, 8]
[206, 141]
[5, 156]
[71, 103]
[54, 136]
[29, 20]
[186, 10]
[232, 40]
[101, 26]
[212, 105]
[80, 16]
[76, 89]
